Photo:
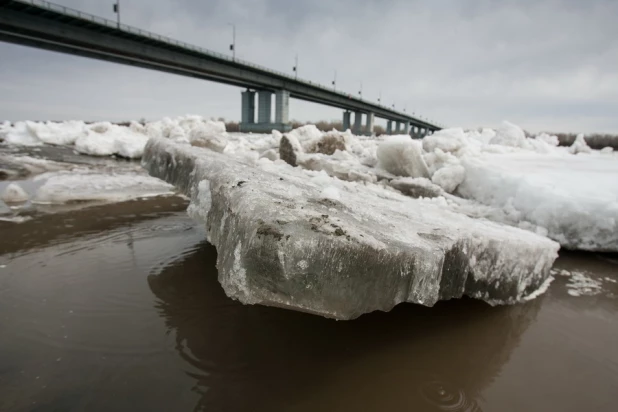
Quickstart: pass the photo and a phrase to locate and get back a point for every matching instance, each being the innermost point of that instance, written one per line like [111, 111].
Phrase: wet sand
[118, 307]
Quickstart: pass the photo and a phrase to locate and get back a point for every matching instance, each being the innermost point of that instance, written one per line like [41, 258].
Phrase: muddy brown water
[118, 307]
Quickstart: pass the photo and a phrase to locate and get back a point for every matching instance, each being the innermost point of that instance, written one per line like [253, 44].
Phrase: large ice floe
[340, 225]
[295, 238]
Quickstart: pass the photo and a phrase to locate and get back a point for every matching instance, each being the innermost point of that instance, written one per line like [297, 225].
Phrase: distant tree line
[323, 125]
[595, 141]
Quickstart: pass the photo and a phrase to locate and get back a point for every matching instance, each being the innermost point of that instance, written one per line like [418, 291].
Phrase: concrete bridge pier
[369, 123]
[346, 120]
[397, 127]
[389, 127]
[265, 123]
[264, 107]
[247, 113]
[282, 111]
[358, 123]
[406, 128]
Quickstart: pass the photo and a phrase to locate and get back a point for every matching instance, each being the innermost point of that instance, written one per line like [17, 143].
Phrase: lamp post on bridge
[360, 91]
[335, 81]
[296, 66]
[233, 45]
[117, 11]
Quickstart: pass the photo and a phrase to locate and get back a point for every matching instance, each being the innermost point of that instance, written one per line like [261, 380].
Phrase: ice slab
[285, 240]
[70, 187]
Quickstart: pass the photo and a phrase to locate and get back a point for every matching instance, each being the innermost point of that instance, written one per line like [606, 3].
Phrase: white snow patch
[331, 192]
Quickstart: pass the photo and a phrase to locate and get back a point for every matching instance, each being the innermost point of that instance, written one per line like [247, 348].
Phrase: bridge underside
[67, 31]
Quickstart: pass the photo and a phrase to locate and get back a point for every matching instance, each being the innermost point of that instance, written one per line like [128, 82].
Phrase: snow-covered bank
[566, 193]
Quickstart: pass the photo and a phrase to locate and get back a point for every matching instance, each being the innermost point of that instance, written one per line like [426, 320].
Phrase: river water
[118, 307]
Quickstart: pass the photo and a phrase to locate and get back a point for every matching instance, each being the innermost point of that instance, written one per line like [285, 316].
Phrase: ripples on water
[119, 308]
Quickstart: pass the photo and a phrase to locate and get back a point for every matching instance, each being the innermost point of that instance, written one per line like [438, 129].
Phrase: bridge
[49, 26]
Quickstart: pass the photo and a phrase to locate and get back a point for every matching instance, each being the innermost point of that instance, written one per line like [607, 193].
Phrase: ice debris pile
[297, 238]
[106, 139]
[568, 194]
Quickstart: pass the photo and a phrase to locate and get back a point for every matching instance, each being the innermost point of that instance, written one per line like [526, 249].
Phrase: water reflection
[258, 358]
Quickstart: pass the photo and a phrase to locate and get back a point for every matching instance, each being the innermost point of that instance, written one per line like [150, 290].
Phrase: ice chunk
[607, 150]
[509, 134]
[209, 134]
[549, 139]
[330, 143]
[14, 193]
[64, 133]
[416, 187]
[306, 135]
[21, 135]
[105, 139]
[448, 178]
[290, 149]
[270, 154]
[281, 243]
[66, 187]
[15, 167]
[579, 145]
[447, 140]
[402, 156]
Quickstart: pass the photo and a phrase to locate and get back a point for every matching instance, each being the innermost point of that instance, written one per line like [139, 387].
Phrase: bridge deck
[45, 25]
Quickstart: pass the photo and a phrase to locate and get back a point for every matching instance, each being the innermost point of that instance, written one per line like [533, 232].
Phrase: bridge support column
[264, 106]
[247, 110]
[282, 111]
[397, 127]
[369, 123]
[265, 123]
[406, 128]
[358, 123]
[346, 120]
[389, 127]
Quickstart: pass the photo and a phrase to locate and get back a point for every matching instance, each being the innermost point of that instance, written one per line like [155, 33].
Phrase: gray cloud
[546, 65]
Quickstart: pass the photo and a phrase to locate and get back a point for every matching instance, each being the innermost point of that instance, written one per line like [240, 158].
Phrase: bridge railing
[134, 30]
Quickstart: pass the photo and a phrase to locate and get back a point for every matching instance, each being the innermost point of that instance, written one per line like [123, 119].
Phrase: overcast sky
[545, 65]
